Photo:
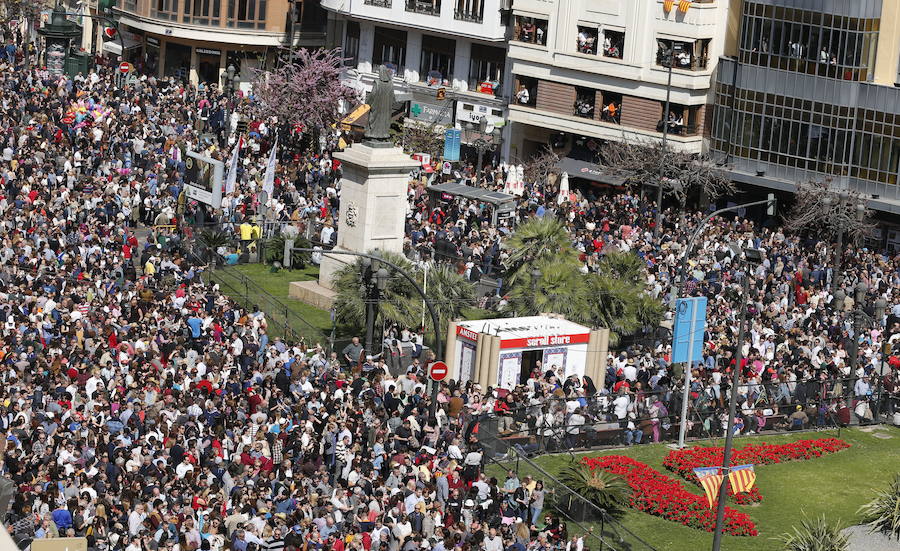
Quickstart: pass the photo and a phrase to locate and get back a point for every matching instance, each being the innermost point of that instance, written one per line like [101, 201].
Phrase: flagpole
[732, 406]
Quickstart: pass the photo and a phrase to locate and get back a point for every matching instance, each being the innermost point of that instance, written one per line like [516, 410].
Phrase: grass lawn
[834, 485]
[276, 284]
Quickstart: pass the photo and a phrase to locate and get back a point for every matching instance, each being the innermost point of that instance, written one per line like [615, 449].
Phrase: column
[461, 65]
[413, 56]
[161, 62]
[366, 46]
[194, 77]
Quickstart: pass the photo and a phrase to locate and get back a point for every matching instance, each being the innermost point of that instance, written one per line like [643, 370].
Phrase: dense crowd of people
[143, 409]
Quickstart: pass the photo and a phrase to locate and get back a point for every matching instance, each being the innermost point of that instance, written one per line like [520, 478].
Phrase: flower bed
[685, 461]
[657, 494]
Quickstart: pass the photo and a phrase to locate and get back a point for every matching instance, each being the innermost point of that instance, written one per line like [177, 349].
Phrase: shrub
[882, 514]
[815, 535]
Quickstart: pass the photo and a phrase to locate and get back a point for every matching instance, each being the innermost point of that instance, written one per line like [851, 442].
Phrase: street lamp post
[230, 85]
[840, 202]
[751, 257]
[670, 55]
[859, 297]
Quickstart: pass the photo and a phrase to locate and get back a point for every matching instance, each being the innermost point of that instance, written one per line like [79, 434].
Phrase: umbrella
[563, 189]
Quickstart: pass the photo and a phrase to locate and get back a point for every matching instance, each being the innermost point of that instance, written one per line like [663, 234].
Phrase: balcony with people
[611, 111]
[526, 91]
[683, 55]
[587, 39]
[681, 120]
[530, 30]
[585, 100]
[613, 43]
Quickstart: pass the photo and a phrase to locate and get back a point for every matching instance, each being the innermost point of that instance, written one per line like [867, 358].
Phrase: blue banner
[452, 138]
[690, 324]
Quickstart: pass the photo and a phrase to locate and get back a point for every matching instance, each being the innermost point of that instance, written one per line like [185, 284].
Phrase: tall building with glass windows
[199, 39]
[809, 92]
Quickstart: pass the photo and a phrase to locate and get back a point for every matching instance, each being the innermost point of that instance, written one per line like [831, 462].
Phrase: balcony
[584, 103]
[687, 56]
[378, 3]
[682, 121]
[469, 10]
[587, 39]
[530, 30]
[426, 7]
[613, 43]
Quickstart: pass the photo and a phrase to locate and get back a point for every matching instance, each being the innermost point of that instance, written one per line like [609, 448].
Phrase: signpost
[687, 345]
[124, 67]
[438, 371]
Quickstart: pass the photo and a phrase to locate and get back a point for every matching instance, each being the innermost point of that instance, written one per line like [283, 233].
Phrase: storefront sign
[431, 113]
[546, 340]
[152, 41]
[208, 51]
[466, 333]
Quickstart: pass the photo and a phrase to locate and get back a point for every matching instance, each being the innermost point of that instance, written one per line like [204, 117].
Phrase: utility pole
[676, 47]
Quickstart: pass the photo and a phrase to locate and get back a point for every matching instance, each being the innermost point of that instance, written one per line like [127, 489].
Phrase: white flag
[231, 177]
[269, 181]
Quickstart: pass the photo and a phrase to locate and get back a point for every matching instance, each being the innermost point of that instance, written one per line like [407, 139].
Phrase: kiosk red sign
[438, 371]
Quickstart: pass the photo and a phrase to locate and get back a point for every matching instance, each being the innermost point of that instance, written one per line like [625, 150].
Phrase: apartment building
[587, 71]
[199, 39]
[448, 58]
[810, 92]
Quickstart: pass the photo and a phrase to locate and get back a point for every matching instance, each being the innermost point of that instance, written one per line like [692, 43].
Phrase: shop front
[208, 64]
[503, 352]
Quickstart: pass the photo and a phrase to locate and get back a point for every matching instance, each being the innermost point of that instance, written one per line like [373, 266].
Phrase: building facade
[448, 58]
[809, 92]
[198, 39]
[586, 71]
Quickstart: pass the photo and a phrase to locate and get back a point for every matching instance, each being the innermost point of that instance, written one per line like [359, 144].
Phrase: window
[469, 10]
[351, 44]
[584, 102]
[428, 7]
[247, 14]
[486, 69]
[689, 56]
[526, 91]
[201, 12]
[613, 43]
[165, 9]
[436, 68]
[390, 49]
[130, 5]
[586, 42]
[612, 108]
[682, 120]
[531, 30]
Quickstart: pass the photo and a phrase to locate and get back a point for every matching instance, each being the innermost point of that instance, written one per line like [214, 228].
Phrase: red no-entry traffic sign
[124, 67]
[438, 371]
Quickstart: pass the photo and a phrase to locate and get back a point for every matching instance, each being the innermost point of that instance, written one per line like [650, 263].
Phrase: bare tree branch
[541, 166]
[682, 173]
[818, 207]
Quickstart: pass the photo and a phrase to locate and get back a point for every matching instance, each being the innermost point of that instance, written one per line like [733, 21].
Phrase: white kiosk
[503, 351]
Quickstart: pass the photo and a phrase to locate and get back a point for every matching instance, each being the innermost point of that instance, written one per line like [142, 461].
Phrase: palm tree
[449, 292]
[815, 535]
[553, 285]
[212, 239]
[534, 241]
[602, 488]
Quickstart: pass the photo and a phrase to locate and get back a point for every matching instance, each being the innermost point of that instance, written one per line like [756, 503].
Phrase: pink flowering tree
[305, 90]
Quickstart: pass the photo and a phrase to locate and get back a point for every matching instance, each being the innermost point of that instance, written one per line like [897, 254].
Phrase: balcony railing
[685, 63]
[378, 3]
[678, 128]
[468, 15]
[427, 7]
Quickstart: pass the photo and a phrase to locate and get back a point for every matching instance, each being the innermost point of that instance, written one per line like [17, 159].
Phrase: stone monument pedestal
[372, 212]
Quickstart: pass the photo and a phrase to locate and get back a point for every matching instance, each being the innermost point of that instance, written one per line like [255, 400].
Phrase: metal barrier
[548, 427]
[566, 503]
[282, 320]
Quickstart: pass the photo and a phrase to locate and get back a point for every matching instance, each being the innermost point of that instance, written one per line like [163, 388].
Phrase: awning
[590, 171]
[357, 118]
[454, 189]
[115, 48]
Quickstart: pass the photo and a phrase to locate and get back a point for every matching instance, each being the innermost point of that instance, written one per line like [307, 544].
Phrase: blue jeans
[633, 436]
[535, 513]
